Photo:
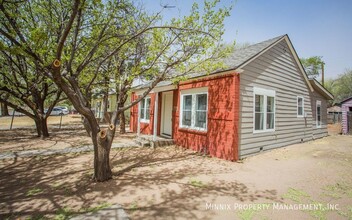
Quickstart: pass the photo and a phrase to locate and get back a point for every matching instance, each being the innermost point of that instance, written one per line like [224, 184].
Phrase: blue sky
[315, 27]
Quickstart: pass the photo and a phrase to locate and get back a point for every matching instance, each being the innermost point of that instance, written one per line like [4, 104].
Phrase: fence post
[60, 121]
[13, 115]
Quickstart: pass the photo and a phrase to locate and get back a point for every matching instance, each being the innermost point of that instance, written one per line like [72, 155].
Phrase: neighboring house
[97, 105]
[346, 108]
[264, 100]
[334, 114]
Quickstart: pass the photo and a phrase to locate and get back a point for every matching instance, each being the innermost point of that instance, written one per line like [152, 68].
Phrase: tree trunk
[4, 109]
[102, 141]
[122, 123]
[42, 127]
[37, 126]
[105, 107]
[87, 126]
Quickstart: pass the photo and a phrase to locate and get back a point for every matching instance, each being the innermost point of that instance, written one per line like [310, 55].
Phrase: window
[300, 106]
[318, 114]
[144, 109]
[194, 109]
[264, 110]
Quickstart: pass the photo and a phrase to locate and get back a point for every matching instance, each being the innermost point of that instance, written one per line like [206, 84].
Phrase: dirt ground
[26, 122]
[173, 183]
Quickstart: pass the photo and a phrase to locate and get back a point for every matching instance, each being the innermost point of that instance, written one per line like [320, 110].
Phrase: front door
[166, 114]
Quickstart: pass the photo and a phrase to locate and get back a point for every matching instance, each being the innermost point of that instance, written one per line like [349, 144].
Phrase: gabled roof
[242, 57]
[345, 100]
[320, 89]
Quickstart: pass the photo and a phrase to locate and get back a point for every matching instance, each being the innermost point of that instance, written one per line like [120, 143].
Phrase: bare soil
[26, 122]
[173, 183]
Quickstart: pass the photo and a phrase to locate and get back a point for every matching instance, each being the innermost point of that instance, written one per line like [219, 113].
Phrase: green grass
[197, 183]
[63, 213]
[338, 190]
[247, 214]
[347, 214]
[296, 195]
[134, 206]
[34, 191]
[97, 208]
[250, 213]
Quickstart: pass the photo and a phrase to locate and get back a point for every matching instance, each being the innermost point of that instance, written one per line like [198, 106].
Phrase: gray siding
[323, 131]
[277, 70]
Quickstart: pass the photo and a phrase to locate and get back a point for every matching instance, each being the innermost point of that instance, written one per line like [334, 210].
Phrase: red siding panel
[220, 139]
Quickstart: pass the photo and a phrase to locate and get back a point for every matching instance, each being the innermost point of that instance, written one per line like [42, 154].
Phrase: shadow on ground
[165, 182]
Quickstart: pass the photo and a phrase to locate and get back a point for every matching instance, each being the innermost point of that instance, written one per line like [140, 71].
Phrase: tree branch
[67, 29]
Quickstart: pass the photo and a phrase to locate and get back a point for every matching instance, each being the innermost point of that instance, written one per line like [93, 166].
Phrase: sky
[315, 27]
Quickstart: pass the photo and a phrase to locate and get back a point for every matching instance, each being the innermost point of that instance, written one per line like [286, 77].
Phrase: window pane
[201, 119]
[187, 110]
[202, 102]
[186, 117]
[142, 108]
[270, 120]
[319, 114]
[300, 100]
[300, 111]
[259, 121]
[270, 104]
[300, 106]
[147, 111]
[259, 99]
[187, 102]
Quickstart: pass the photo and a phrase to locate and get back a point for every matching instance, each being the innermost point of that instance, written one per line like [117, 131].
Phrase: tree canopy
[341, 87]
[313, 65]
[72, 43]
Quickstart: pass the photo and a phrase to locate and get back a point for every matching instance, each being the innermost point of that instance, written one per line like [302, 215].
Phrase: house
[263, 100]
[346, 108]
[97, 104]
[334, 114]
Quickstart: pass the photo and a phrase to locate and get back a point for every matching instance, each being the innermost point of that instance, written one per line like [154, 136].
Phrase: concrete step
[147, 141]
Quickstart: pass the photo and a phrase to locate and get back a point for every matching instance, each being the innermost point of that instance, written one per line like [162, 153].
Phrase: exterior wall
[323, 130]
[221, 138]
[345, 108]
[111, 108]
[275, 70]
[145, 128]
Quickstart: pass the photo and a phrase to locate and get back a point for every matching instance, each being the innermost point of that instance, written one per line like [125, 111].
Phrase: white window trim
[318, 103]
[143, 120]
[193, 92]
[300, 116]
[265, 93]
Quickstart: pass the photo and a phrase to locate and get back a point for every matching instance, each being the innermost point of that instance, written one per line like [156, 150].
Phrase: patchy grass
[63, 213]
[97, 208]
[196, 183]
[296, 195]
[34, 191]
[347, 214]
[338, 190]
[247, 214]
[134, 206]
[252, 213]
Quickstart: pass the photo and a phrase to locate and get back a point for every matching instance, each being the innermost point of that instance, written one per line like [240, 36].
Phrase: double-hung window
[318, 114]
[264, 110]
[145, 110]
[194, 108]
[300, 106]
